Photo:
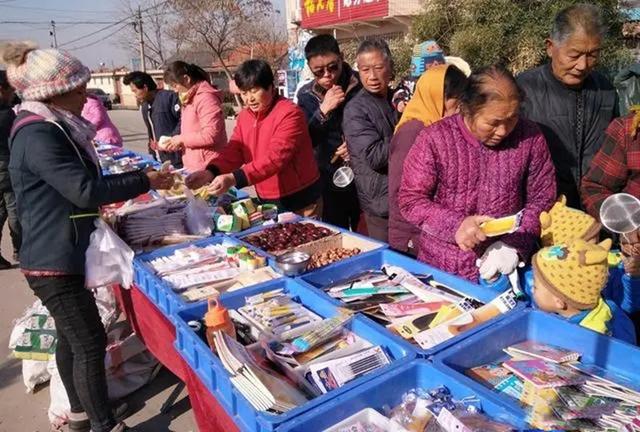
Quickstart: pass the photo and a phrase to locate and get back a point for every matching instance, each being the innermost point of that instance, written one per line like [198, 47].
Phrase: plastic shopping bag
[199, 218]
[109, 260]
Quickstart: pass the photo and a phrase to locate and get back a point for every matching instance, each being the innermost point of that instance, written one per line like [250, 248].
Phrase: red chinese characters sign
[318, 13]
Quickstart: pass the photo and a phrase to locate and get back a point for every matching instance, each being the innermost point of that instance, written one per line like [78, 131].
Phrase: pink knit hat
[39, 74]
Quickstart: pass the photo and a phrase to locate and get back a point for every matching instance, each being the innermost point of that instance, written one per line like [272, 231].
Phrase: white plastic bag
[109, 260]
[59, 406]
[34, 373]
[199, 219]
[107, 306]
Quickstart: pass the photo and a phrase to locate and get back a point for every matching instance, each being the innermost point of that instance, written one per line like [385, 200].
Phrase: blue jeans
[81, 345]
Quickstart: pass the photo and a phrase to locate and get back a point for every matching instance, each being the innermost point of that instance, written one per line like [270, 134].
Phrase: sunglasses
[331, 68]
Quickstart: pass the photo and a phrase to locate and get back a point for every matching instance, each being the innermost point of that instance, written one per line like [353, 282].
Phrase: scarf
[598, 318]
[82, 131]
[427, 103]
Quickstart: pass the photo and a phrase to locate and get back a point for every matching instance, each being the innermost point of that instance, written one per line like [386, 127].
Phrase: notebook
[544, 374]
[542, 351]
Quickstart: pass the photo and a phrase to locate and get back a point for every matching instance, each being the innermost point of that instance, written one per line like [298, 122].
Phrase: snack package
[501, 226]
[228, 223]
[241, 212]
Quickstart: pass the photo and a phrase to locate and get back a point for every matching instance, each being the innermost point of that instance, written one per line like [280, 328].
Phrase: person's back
[572, 103]
[106, 131]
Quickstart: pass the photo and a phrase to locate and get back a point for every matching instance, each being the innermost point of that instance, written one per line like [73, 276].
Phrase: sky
[102, 47]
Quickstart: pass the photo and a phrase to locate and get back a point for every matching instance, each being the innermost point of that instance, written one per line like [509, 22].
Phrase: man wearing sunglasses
[323, 101]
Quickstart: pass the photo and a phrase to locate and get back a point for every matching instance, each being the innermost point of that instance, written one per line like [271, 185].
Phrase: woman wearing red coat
[270, 148]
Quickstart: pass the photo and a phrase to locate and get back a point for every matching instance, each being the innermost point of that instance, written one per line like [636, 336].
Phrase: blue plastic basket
[487, 345]
[157, 290]
[212, 373]
[375, 260]
[417, 374]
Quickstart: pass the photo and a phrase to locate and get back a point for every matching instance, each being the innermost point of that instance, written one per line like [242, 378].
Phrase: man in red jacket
[270, 148]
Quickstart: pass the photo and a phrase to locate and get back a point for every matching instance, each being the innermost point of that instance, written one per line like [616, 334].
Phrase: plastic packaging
[108, 260]
[199, 220]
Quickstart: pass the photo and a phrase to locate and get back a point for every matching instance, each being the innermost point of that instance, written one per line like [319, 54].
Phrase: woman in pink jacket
[202, 128]
[96, 113]
[468, 168]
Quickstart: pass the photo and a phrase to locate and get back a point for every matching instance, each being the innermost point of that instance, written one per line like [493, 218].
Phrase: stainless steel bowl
[293, 263]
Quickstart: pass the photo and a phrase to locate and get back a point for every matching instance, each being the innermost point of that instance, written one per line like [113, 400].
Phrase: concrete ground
[24, 412]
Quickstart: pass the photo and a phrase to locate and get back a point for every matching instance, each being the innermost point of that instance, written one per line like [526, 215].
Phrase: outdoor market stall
[309, 322]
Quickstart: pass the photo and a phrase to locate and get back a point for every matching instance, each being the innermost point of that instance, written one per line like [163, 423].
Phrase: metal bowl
[293, 263]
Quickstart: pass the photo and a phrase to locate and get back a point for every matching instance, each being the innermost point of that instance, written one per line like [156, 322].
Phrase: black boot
[120, 412]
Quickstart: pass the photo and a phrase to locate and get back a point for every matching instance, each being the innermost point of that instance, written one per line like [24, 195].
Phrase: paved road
[28, 412]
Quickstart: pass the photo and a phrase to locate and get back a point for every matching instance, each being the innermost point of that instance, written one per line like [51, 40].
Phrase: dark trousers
[81, 345]
[377, 227]
[8, 211]
[341, 206]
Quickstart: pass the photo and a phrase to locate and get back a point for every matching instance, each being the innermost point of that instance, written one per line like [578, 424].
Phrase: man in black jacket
[572, 103]
[323, 101]
[368, 124]
[160, 111]
[7, 197]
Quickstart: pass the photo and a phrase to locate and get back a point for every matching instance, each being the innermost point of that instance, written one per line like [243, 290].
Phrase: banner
[319, 13]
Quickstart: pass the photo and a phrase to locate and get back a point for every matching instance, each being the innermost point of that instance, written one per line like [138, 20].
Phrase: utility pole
[143, 63]
[52, 33]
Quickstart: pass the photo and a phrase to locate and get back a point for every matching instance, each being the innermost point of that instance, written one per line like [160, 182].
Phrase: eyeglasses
[331, 68]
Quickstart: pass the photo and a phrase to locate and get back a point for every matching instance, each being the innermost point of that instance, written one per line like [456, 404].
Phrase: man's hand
[343, 152]
[630, 245]
[469, 234]
[160, 180]
[332, 100]
[221, 184]
[198, 179]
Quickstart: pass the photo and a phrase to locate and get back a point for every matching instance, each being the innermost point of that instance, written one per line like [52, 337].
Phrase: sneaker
[4, 264]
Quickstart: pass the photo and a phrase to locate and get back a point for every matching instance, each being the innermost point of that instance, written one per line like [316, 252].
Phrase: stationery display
[415, 306]
[298, 354]
[198, 272]
[560, 392]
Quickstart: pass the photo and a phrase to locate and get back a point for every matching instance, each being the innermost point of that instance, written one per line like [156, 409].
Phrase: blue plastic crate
[417, 374]
[157, 290]
[375, 260]
[212, 373]
[528, 324]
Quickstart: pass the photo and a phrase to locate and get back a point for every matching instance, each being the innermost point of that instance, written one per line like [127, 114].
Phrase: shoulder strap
[28, 119]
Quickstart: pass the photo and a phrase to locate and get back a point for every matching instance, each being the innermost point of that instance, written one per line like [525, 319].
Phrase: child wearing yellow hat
[568, 279]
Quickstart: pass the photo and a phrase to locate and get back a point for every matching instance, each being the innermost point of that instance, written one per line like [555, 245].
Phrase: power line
[100, 30]
[2, 4]
[99, 40]
[61, 22]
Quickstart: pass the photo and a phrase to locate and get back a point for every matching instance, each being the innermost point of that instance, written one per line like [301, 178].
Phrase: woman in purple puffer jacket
[484, 163]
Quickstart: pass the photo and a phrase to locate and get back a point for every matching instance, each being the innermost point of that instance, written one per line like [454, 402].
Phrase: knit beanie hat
[563, 224]
[425, 54]
[576, 272]
[39, 74]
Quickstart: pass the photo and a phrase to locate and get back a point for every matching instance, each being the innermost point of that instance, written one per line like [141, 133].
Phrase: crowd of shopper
[431, 162]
